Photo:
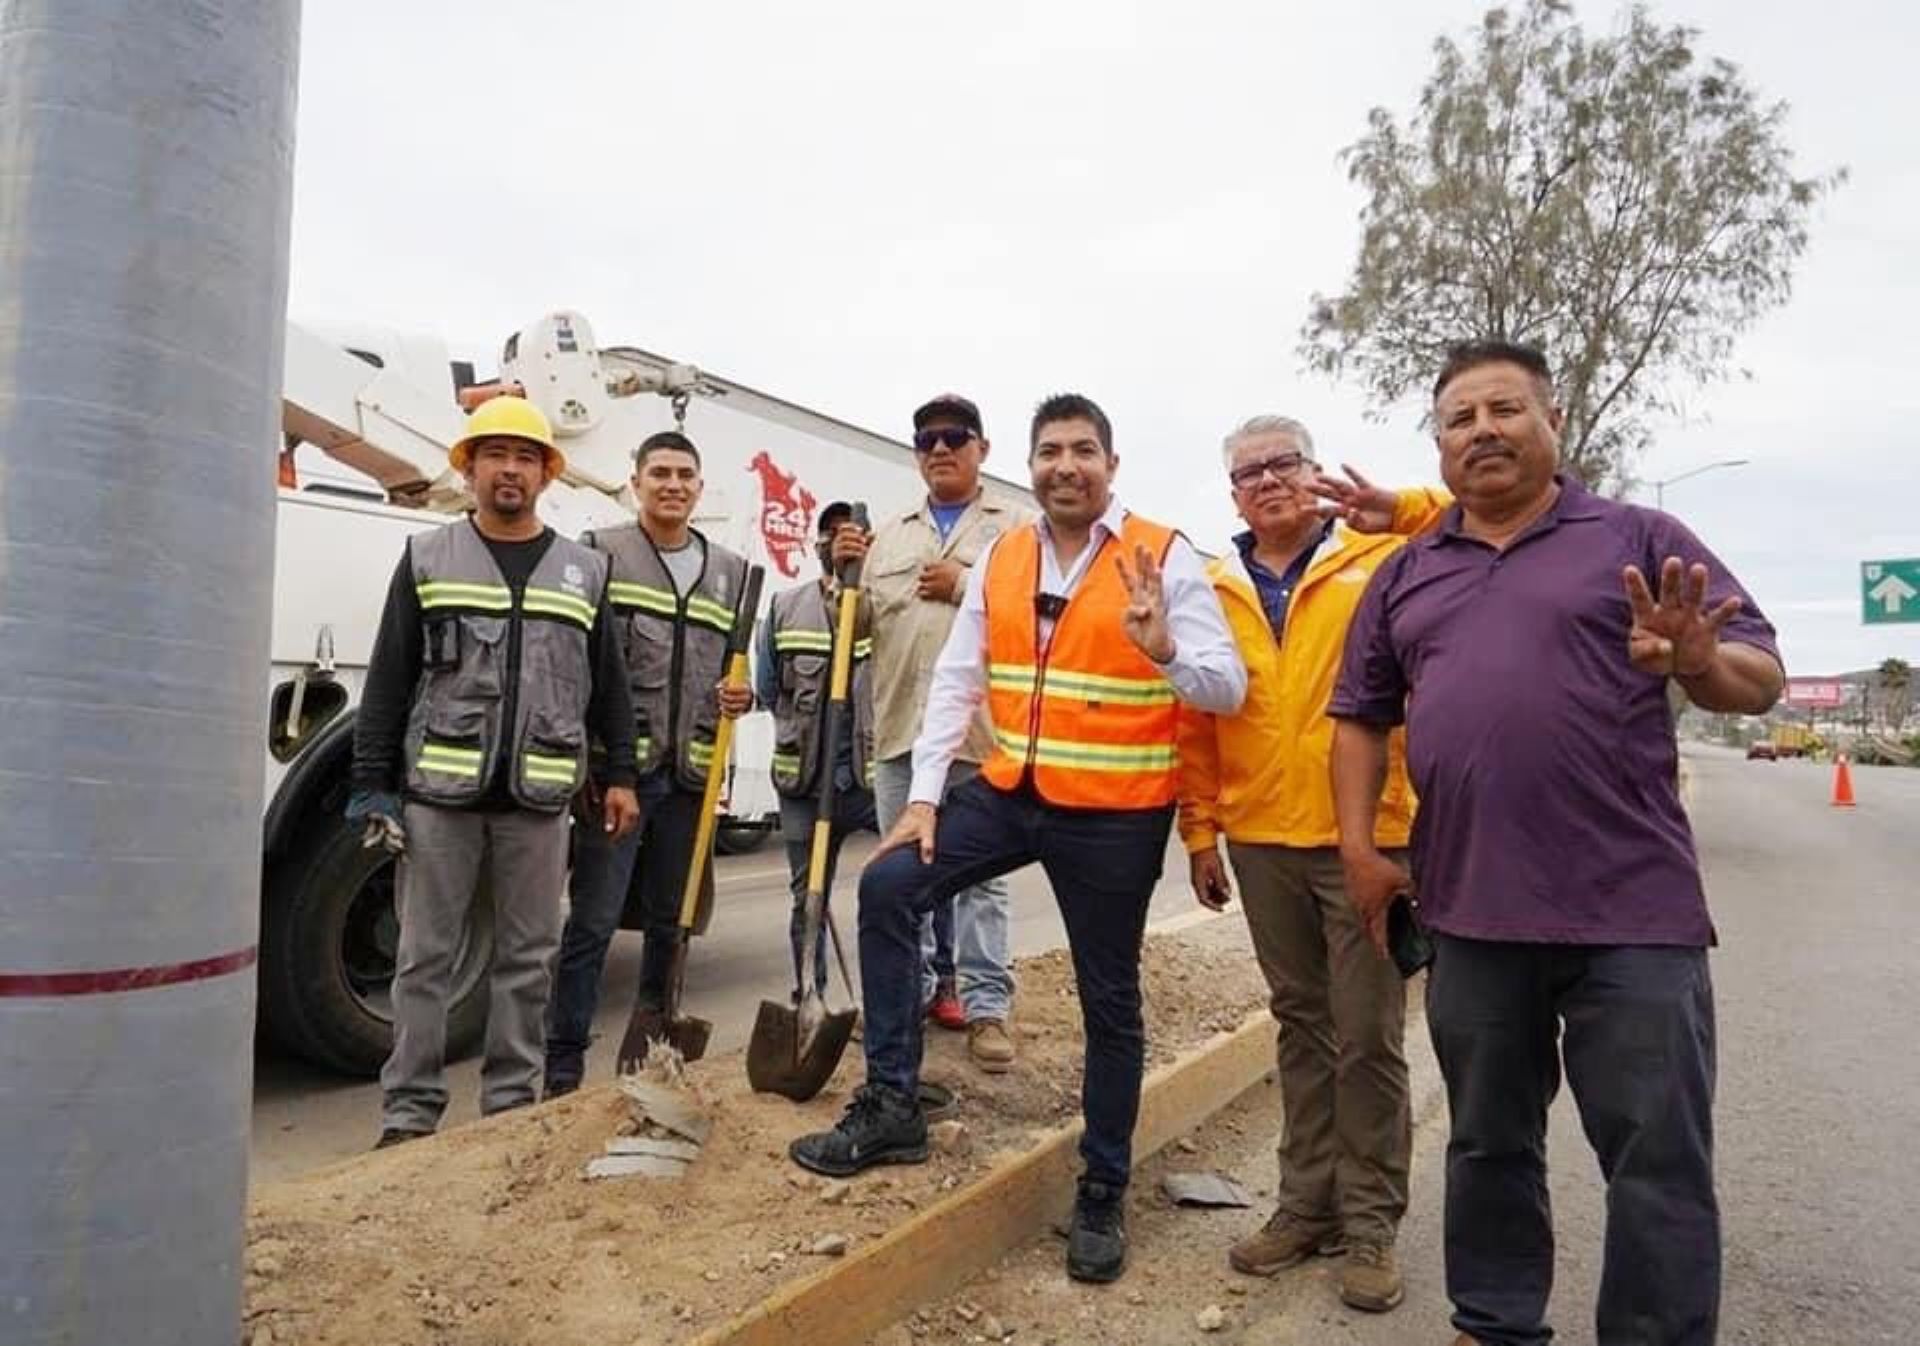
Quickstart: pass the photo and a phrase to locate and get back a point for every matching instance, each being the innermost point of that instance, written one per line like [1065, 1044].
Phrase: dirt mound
[490, 1235]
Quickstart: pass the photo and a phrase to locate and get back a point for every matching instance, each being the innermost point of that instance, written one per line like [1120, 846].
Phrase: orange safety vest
[1090, 716]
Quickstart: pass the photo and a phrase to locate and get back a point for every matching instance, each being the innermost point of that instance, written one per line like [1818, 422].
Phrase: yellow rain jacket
[1262, 776]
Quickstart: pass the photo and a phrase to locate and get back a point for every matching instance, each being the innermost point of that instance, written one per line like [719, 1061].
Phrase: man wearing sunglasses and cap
[916, 570]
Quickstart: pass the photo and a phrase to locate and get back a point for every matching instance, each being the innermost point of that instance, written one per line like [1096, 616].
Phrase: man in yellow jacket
[1260, 778]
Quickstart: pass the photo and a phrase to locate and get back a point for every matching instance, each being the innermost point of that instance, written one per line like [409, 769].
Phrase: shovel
[795, 1050]
[689, 1036]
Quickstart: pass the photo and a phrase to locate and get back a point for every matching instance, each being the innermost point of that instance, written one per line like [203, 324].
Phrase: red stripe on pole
[20, 984]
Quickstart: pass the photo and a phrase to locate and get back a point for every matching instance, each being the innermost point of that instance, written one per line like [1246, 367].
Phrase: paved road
[303, 1117]
[1818, 910]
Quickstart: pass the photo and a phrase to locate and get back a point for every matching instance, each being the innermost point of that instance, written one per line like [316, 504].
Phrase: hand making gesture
[1675, 636]
[1357, 502]
[1145, 621]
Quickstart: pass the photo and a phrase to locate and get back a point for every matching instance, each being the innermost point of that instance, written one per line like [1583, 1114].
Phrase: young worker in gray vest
[494, 664]
[792, 669]
[673, 593]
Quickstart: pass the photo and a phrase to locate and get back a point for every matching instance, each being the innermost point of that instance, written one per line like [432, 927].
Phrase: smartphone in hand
[1407, 943]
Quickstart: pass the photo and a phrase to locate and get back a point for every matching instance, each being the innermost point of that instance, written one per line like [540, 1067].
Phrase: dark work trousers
[852, 812]
[603, 870]
[1102, 865]
[1634, 1025]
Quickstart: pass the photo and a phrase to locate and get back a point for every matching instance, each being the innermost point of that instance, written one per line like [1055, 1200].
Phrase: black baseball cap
[832, 516]
[950, 406]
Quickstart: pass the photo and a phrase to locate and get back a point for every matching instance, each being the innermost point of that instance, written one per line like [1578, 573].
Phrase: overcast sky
[854, 205]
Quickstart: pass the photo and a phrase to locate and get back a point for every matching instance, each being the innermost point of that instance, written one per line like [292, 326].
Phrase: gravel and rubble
[491, 1233]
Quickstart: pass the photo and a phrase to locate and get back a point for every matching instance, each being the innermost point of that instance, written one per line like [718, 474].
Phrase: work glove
[378, 813]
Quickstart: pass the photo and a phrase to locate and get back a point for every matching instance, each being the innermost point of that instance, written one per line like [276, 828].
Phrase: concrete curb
[947, 1244]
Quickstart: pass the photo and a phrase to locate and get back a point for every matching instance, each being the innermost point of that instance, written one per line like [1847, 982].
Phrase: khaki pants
[523, 857]
[1342, 1010]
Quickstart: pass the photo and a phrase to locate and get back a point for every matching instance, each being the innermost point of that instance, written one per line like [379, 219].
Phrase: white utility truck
[368, 420]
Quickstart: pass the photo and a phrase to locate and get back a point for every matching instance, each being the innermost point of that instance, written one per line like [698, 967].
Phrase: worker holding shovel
[791, 678]
[674, 594]
[1082, 632]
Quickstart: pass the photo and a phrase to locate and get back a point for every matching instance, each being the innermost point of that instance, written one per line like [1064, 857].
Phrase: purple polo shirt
[1545, 762]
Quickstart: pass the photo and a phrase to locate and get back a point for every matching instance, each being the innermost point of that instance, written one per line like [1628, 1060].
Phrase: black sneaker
[558, 1087]
[396, 1135]
[1097, 1239]
[881, 1126]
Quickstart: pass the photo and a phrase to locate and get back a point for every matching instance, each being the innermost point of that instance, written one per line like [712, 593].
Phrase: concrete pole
[146, 155]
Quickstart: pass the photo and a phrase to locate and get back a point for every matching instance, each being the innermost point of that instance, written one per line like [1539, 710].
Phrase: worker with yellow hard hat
[495, 664]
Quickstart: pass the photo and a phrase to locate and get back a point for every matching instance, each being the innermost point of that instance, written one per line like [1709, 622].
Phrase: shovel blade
[779, 1062]
[644, 1028]
[689, 1037]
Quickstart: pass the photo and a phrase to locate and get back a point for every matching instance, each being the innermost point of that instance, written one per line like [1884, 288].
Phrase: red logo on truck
[786, 514]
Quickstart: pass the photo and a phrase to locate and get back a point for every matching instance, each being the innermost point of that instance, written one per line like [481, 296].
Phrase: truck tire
[328, 930]
[733, 838]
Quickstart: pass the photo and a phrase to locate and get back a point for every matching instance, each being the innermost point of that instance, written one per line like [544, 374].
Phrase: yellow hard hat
[511, 417]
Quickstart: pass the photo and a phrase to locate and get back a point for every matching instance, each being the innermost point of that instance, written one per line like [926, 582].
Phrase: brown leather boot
[1283, 1241]
[989, 1046]
[1369, 1278]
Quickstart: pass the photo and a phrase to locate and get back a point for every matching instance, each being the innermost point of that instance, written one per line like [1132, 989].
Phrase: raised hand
[1674, 635]
[1357, 502]
[1145, 620]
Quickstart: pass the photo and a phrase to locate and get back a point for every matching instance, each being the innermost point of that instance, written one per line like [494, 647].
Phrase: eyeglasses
[1283, 466]
[953, 436]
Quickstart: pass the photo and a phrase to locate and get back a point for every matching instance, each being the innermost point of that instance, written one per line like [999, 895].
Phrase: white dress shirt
[1205, 670]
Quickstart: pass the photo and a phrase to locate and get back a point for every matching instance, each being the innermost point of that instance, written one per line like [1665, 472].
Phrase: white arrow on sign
[1891, 592]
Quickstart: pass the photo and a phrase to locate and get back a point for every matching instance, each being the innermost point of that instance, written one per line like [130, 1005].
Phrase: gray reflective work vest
[802, 623]
[476, 704]
[676, 646]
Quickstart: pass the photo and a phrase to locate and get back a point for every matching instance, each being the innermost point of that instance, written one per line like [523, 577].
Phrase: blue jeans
[965, 938]
[853, 812]
[1102, 864]
[662, 845]
[1634, 1025]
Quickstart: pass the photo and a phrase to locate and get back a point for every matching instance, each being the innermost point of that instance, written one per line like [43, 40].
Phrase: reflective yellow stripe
[448, 760]
[1072, 686]
[554, 770]
[641, 747]
[454, 594]
[863, 649]
[1089, 756]
[627, 594]
[553, 603]
[805, 642]
[787, 763]
[699, 753]
[665, 603]
[708, 612]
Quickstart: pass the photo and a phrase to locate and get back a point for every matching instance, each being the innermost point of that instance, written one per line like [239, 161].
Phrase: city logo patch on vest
[574, 580]
[1352, 575]
[786, 514]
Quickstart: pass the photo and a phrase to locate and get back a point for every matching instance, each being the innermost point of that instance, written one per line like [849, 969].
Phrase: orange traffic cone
[1842, 783]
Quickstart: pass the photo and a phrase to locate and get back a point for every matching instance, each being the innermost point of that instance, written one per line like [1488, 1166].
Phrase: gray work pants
[522, 856]
[1348, 1135]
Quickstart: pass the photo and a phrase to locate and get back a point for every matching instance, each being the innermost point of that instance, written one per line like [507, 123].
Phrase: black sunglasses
[953, 436]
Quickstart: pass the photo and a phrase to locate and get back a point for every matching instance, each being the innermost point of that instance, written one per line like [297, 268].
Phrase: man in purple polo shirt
[1521, 645]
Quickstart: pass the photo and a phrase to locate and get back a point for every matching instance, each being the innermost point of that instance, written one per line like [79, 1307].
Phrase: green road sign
[1890, 591]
